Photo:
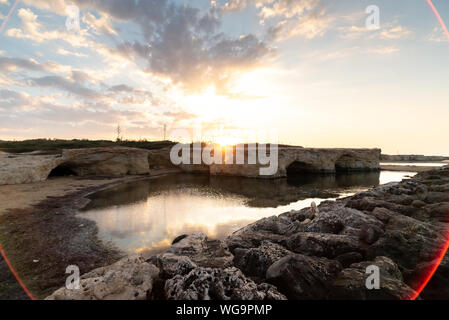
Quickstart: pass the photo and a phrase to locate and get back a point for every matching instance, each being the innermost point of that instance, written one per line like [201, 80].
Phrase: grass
[56, 145]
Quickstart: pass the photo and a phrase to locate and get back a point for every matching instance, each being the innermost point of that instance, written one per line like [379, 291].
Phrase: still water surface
[149, 214]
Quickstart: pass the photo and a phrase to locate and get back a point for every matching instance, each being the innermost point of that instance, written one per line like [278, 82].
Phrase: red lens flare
[441, 255]
[24, 287]
[440, 20]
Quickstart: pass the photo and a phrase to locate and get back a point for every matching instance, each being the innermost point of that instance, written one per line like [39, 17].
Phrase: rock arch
[61, 171]
[298, 167]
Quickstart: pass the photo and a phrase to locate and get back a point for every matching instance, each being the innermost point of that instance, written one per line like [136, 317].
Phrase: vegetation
[56, 145]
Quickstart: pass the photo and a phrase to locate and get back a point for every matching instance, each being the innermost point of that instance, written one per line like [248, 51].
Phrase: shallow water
[148, 215]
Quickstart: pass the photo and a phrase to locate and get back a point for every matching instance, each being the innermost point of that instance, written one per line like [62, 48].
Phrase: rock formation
[290, 160]
[28, 168]
[128, 279]
[15, 169]
[106, 161]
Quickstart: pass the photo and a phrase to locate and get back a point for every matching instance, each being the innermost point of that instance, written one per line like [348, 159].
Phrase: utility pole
[119, 133]
[165, 132]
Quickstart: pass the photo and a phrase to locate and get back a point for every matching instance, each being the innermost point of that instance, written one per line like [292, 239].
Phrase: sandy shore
[22, 196]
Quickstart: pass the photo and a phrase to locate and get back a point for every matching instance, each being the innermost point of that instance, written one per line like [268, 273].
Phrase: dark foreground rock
[398, 229]
[218, 284]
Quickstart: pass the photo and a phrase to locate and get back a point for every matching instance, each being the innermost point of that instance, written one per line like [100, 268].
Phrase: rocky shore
[308, 254]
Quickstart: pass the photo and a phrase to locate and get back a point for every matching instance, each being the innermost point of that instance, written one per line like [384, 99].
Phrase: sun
[226, 141]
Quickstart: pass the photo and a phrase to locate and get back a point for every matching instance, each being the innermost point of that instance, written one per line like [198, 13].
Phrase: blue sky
[308, 69]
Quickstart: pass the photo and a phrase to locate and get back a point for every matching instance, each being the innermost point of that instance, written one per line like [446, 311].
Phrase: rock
[170, 264]
[370, 234]
[111, 161]
[418, 204]
[256, 261]
[437, 197]
[323, 244]
[16, 169]
[438, 286]
[346, 259]
[289, 159]
[218, 284]
[406, 249]
[160, 158]
[199, 250]
[301, 277]
[108, 161]
[273, 229]
[351, 282]
[127, 279]
[438, 211]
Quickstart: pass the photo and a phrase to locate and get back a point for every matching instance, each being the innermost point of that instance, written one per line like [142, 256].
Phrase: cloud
[437, 35]
[12, 64]
[131, 96]
[310, 26]
[99, 25]
[303, 18]
[396, 32]
[185, 46]
[64, 52]
[389, 31]
[68, 85]
[11, 99]
[31, 29]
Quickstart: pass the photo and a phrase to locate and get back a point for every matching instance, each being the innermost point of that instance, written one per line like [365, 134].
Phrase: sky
[300, 72]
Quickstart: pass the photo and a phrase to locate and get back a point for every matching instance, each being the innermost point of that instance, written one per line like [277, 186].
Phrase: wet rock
[351, 282]
[302, 277]
[218, 284]
[127, 279]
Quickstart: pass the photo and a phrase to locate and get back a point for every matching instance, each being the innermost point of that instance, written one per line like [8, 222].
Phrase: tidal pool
[147, 215]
